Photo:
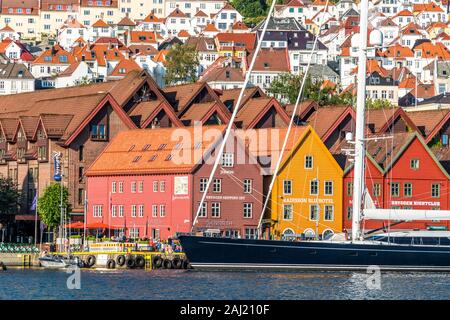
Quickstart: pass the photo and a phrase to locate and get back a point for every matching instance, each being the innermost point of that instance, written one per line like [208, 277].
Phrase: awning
[75, 225]
[100, 225]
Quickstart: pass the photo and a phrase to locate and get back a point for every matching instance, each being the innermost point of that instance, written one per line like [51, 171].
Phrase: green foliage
[9, 197]
[378, 104]
[182, 63]
[49, 204]
[288, 85]
[251, 9]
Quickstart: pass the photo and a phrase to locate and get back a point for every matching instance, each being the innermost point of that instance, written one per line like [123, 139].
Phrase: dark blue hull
[225, 253]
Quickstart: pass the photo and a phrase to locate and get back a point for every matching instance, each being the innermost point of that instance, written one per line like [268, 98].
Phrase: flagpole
[85, 218]
[35, 219]
[109, 216]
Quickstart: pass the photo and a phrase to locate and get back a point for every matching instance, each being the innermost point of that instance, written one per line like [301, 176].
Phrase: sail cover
[368, 201]
[405, 214]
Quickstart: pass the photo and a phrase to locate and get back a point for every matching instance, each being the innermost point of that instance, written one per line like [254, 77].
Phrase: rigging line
[234, 114]
[275, 172]
[237, 181]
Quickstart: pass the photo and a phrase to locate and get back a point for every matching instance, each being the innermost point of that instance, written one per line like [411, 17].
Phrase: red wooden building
[140, 185]
[401, 173]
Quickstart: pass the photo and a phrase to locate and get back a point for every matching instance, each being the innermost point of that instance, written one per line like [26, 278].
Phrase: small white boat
[57, 261]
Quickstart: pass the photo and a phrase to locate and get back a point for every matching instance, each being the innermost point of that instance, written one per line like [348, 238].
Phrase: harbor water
[191, 284]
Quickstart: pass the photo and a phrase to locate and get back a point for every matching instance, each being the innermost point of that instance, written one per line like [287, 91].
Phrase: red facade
[407, 184]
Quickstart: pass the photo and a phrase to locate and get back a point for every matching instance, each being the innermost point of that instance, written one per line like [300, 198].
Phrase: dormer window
[63, 59]
[40, 134]
[98, 132]
[42, 153]
[20, 153]
[47, 58]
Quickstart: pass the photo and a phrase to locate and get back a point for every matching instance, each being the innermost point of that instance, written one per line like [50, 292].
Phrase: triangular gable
[220, 110]
[273, 103]
[39, 124]
[114, 105]
[309, 131]
[147, 79]
[348, 111]
[399, 113]
[416, 135]
[168, 111]
[437, 128]
[197, 97]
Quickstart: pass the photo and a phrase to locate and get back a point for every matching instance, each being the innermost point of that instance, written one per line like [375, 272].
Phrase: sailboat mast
[358, 178]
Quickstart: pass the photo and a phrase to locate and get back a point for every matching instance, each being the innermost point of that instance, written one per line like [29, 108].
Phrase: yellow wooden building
[307, 194]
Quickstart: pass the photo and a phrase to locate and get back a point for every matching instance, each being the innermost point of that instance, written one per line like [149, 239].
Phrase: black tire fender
[111, 264]
[120, 260]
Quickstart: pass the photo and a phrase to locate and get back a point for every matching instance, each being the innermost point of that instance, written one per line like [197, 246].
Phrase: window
[407, 190]
[247, 186]
[141, 186]
[155, 186]
[204, 211]
[287, 186]
[376, 190]
[308, 162]
[134, 233]
[314, 187]
[162, 186]
[248, 210]
[287, 211]
[329, 212]
[98, 132]
[98, 211]
[80, 153]
[133, 186]
[141, 210]
[114, 211]
[250, 233]
[154, 211]
[121, 210]
[42, 153]
[328, 188]
[313, 212]
[444, 139]
[395, 189]
[203, 182]
[114, 187]
[414, 164]
[227, 159]
[133, 210]
[350, 189]
[435, 190]
[162, 210]
[217, 185]
[349, 212]
[120, 186]
[215, 210]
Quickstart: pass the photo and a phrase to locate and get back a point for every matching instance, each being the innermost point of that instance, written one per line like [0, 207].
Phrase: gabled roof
[334, 115]
[430, 122]
[139, 152]
[200, 13]
[146, 111]
[153, 18]
[210, 28]
[203, 111]
[143, 37]
[7, 28]
[255, 109]
[55, 55]
[124, 67]
[177, 13]
[271, 60]
[100, 24]
[126, 21]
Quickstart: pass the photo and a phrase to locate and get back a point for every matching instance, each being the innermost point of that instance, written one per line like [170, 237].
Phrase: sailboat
[410, 250]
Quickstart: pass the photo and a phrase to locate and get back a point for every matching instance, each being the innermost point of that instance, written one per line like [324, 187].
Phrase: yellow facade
[308, 167]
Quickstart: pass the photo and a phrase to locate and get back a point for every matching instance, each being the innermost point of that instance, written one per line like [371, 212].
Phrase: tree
[288, 86]
[49, 204]
[253, 10]
[182, 64]
[9, 198]
[378, 104]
